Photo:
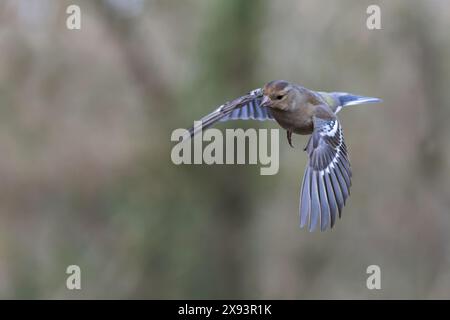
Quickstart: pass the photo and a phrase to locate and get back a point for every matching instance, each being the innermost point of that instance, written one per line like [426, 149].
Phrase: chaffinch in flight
[327, 178]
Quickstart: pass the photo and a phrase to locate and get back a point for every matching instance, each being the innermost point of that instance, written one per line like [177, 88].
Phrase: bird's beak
[265, 102]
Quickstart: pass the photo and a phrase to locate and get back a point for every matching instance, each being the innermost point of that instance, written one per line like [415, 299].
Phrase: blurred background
[86, 176]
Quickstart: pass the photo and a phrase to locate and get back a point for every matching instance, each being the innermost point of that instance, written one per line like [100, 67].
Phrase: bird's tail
[348, 99]
[338, 100]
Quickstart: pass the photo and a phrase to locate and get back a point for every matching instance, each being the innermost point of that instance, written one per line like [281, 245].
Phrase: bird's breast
[296, 121]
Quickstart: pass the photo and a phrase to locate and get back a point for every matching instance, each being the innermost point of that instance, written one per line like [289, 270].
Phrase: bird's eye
[279, 97]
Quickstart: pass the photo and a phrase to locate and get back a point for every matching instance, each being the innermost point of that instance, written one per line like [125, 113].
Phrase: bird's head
[279, 94]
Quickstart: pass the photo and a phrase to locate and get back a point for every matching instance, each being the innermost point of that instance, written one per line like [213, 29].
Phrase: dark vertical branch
[429, 63]
[430, 152]
[228, 52]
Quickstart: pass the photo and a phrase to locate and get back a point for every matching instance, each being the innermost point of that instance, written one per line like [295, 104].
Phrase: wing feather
[329, 174]
[247, 107]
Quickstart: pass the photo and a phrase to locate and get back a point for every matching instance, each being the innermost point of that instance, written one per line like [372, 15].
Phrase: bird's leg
[289, 137]
[307, 144]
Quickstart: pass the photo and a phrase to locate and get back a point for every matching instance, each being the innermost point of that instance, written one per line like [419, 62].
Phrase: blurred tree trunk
[228, 51]
[430, 65]
[427, 178]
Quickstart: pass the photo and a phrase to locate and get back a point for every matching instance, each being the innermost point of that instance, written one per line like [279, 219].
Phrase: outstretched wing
[243, 108]
[250, 111]
[326, 182]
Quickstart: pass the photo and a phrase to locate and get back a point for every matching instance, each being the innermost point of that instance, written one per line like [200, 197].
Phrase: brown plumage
[294, 107]
[327, 178]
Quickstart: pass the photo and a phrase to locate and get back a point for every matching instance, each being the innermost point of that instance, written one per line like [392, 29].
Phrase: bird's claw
[289, 137]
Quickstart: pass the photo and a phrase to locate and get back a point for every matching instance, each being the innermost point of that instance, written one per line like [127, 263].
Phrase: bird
[326, 182]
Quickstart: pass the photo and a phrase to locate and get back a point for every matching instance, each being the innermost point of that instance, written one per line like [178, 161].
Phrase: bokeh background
[85, 170]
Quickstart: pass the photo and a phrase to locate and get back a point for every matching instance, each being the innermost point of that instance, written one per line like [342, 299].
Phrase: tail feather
[338, 100]
[348, 99]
